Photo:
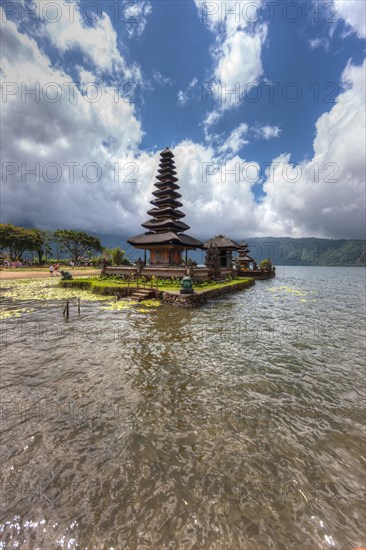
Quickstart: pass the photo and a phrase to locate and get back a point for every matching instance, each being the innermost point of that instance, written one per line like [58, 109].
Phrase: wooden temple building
[165, 239]
[225, 248]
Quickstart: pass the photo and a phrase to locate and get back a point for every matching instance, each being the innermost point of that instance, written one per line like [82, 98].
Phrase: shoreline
[15, 275]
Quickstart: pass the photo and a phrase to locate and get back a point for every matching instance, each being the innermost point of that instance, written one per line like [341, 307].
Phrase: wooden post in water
[66, 310]
[79, 306]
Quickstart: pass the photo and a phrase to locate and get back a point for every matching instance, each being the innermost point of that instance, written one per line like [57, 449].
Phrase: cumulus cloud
[239, 38]
[91, 34]
[58, 132]
[323, 196]
[217, 197]
[236, 140]
[326, 195]
[353, 12]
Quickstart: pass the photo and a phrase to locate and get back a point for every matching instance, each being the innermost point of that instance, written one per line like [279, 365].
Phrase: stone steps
[141, 294]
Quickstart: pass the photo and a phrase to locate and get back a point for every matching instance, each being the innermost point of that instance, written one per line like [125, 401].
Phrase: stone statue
[212, 260]
[186, 286]
[139, 265]
[190, 267]
[66, 275]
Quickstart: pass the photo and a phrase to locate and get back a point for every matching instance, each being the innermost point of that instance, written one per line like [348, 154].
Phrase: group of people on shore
[54, 269]
[17, 264]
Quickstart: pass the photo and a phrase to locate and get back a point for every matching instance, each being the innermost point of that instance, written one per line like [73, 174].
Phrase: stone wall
[173, 298]
[197, 299]
[199, 273]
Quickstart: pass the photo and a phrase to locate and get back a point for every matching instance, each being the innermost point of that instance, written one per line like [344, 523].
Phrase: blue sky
[292, 137]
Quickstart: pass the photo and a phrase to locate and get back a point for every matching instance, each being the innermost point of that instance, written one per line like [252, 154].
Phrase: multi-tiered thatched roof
[165, 226]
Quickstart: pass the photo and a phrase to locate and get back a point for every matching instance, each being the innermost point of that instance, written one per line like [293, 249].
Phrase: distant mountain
[309, 251]
[281, 250]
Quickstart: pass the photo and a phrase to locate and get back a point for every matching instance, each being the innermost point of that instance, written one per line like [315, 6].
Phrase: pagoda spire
[166, 214]
[165, 237]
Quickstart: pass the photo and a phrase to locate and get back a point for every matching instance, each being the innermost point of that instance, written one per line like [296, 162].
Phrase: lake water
[239, 425]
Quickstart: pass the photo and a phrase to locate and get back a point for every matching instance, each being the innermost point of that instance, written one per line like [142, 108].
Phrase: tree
[41, 244]
[266, 265]
[78, 243]
[118, 255]
[107, 255]
[16, 240]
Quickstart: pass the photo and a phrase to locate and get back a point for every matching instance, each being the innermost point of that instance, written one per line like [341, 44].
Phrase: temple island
[165, 244]
[164, 248]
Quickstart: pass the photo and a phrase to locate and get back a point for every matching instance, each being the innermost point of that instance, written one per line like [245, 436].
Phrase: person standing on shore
[51, 270]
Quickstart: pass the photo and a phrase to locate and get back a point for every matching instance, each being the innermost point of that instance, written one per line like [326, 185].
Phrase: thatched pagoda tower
[165, 238]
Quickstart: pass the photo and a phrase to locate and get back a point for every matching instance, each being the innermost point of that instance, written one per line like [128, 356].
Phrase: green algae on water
[45, 289]
[119, 306]
[18, 312]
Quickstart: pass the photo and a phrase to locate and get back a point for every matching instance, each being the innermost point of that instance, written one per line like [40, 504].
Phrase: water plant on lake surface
[18, 312]
[119, 306]
[294, 291]
[44, 289]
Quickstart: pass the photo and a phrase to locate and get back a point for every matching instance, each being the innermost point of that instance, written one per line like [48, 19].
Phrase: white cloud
[319, 43]
[135, 17]
[236, 140]
[239, 63]
[267, 132]
[211, 119]
[326, 195]
[184, 96]
[86, 77]
[106, 133]
[97, 41]
[70, 130]
[237, 52]
[162, 80]
[353, 12]
[214, 199]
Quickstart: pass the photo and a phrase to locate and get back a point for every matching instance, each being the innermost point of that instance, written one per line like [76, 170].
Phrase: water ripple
[238, 425]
